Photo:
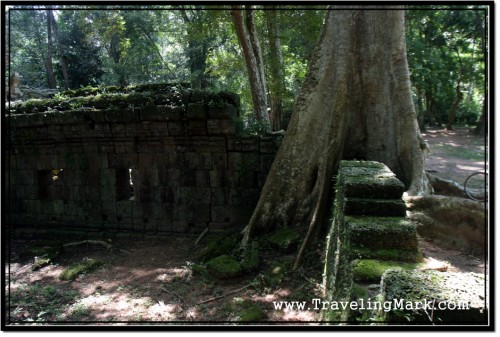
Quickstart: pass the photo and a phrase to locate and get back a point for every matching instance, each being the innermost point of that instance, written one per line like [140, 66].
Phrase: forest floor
[154, 282]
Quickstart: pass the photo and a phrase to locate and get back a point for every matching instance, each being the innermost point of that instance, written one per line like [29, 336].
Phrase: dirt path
[454, 155]
[154, 283]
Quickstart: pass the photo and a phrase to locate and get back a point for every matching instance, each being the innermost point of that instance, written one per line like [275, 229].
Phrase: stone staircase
[372, 256]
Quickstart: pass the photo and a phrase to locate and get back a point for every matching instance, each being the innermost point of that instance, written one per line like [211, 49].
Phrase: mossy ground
[285, 239]
[223, 267]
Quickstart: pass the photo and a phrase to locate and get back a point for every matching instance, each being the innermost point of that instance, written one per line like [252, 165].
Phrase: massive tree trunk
[276, 76]
[355, 103]
[247, 36]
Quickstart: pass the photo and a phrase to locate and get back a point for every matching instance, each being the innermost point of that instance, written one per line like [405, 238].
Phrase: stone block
[235, 161]
[265, 162]
[176, 128]
[170, 113]
[376, 207]
[196, 128]
[123, 161]
[220, 214]
[179, 226]
[197, 111]
[270, 144]
[460, 296]
[108, 193]
[381, 232]
[202, 178]
[25, 177]
[150, 177]
[192, 160]
[107, 177]
[217, 178]
[168, 144]
[205, 161]
[173, 178]
[220, 127]
[188, 178]
[220, 196]
[167, 195]
[221, 111]
[149, 113]
[217, 144]
[124, 209]
[370, 180]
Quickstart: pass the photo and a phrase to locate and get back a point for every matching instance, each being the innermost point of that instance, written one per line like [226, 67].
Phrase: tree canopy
[69, 46]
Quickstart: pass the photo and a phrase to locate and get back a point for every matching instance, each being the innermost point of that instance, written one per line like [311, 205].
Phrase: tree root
[224, 295]
[446, 187]
[95, 242]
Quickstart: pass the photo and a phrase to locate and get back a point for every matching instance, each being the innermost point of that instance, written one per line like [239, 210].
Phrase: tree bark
[276, 76]
[355, 103]
[429, 107]
[51, 79]
[453, 111]
[247, 37]
[60, 48]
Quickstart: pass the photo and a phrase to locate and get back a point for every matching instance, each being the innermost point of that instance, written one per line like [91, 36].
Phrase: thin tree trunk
[356, 98]
[51, 79]
[60, 48]
[276, 77]
[482, 126]
[420, 111]
[428, 104]
[254, 67]
[453, 111]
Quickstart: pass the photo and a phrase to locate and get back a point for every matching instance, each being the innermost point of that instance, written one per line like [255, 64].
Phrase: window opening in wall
[57, 174]
[124, 184]
[131, 182]
[47, 182]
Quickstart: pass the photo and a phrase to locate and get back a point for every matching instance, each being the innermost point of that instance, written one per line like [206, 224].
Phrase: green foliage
[446, 47]
[37, 303]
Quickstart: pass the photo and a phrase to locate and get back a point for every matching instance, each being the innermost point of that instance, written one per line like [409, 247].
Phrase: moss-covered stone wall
[373, 257]
[154, 159]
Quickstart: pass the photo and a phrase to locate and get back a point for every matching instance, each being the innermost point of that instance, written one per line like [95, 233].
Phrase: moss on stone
[217, 245]
[42, 253]
[250, 259]
[71, 272]
[285, 239]
[223, 267]
[382, 232]
[372, 270]
[378, 207]
[432, 286]
[405, 255]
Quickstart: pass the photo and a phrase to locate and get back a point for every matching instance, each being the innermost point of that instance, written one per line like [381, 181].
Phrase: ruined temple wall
[188, 168]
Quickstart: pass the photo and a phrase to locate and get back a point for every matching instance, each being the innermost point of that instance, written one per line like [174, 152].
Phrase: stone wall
[133, 163]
